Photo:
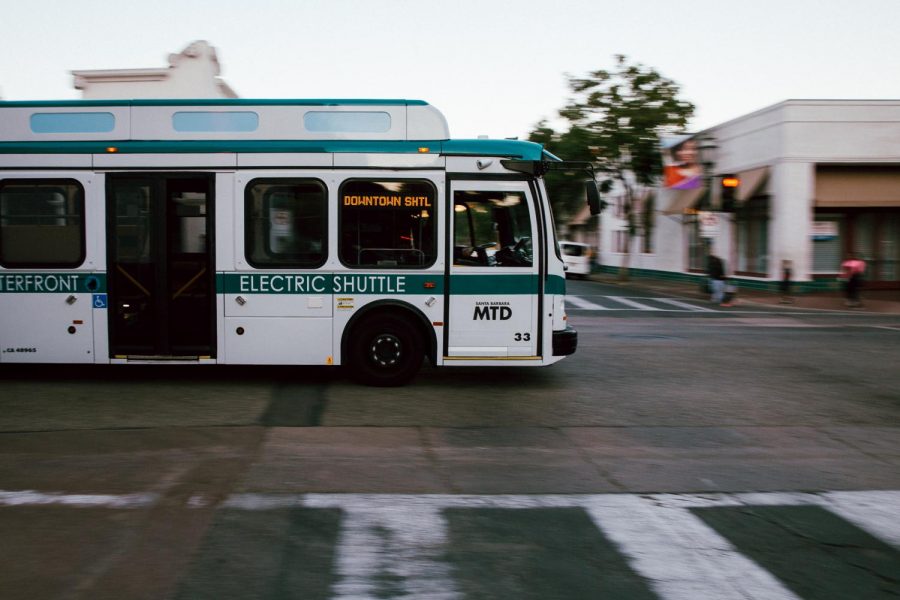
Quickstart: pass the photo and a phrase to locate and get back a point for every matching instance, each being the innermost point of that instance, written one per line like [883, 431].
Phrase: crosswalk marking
[33, 498]
[641, 303]
[680, 556]
[583, 304]
[406, 537]
[684, 305]
[876, 512]
[631, 303]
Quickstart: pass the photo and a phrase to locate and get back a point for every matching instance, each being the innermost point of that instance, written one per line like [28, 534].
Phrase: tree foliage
[616, 118]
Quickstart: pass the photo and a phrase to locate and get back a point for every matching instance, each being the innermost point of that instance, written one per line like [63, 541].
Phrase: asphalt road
[685, 451]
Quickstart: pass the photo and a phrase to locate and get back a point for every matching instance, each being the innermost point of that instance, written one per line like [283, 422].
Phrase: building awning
[857, 185]
[752, 183]
[683, 200]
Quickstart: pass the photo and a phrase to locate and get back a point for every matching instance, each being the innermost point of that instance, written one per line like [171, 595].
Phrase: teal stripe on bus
[385, 284]
[500, 148]
[556, 285]
[18, 282]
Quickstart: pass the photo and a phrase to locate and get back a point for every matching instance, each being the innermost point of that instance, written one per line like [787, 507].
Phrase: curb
[884, 307]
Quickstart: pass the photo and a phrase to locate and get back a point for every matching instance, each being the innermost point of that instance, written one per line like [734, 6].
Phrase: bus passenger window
[41, 223]
[286, 223]
[388, 224]
[492, 229]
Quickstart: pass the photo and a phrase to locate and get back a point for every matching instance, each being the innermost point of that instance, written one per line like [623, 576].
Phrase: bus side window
[286, 223]
[388, 223]
[491, 229]
[41, 223]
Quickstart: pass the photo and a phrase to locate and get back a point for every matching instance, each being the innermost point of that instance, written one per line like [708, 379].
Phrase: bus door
[494, 273]
[160, 272]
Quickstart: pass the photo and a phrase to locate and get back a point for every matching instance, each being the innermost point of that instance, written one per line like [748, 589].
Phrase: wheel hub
[386, 350]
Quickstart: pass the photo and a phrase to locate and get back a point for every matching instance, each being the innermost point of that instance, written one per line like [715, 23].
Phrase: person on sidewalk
[852, 271]
[784, 286]
[715, 268]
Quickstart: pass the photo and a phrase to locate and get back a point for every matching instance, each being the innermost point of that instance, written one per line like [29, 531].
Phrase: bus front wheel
[385, 351]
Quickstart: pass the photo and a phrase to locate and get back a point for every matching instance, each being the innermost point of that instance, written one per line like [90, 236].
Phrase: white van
[577, 257]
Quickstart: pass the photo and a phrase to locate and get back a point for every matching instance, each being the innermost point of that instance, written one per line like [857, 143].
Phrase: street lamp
[707, 148]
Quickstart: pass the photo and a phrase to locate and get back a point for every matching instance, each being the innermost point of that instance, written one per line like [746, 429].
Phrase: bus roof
[214, 102]
[239, 119]
[239, 125]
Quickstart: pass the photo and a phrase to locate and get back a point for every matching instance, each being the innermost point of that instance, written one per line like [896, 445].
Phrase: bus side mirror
[595, 202]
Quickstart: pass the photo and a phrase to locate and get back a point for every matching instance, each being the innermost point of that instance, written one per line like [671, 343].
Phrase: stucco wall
[789, 138]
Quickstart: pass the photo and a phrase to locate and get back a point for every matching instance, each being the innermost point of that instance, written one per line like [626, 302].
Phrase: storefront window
[827, 243]
[874, 237]
[753, 237]
[697, 246]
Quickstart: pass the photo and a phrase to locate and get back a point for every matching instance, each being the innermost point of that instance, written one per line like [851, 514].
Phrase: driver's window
[492, 229]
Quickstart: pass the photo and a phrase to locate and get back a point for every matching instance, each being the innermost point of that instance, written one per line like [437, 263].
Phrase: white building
[192, 73]
[819, 179]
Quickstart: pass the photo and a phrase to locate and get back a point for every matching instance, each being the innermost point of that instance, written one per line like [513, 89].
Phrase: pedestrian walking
[852, 271]
[784, 286]
[715, 268]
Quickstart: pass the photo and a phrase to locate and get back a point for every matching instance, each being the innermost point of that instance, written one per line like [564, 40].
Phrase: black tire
[385, 351]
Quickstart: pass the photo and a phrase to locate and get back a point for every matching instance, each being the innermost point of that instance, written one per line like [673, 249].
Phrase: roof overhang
[752, 183]
[682, 200]
[857, 185]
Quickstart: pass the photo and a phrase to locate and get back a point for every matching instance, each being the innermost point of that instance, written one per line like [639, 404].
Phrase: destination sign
[387, 201]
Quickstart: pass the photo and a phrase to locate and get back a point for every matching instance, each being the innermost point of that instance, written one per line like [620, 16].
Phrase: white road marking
[379, 536]
[583, 304]
[33, 498]
[631, 303]
[623, 303]
[678, 555]
[681, 557]
[684, 305]
[878, 513]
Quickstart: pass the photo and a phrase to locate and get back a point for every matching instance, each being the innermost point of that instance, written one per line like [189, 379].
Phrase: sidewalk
[874, 301]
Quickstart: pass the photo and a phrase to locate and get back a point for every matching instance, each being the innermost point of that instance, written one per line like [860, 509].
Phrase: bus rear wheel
[385, 351]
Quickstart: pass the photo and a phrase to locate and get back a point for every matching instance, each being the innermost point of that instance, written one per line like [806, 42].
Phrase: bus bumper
[565, 341]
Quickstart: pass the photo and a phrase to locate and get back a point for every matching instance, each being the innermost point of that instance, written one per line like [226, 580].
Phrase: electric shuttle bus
[277, 232]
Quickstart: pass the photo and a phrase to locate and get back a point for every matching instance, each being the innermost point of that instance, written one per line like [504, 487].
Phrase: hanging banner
[681, 163]
[710, 224]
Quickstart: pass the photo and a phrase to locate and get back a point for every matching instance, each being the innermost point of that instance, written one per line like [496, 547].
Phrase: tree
[566, 192]
[616, 119]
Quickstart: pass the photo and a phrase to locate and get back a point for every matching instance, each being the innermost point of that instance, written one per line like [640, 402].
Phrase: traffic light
[730, 185]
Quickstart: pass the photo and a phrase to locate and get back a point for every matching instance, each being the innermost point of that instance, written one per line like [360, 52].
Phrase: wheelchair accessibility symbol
[99, 301]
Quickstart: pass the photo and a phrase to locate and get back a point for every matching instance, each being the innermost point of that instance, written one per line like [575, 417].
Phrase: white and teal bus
[277, 232]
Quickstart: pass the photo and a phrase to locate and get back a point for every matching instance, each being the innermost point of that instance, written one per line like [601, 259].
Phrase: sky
[493, 67]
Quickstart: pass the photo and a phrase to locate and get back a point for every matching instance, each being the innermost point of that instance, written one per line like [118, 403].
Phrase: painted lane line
[33, 498]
